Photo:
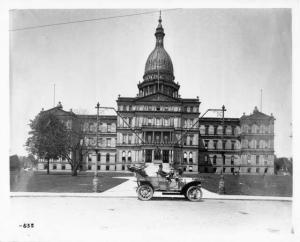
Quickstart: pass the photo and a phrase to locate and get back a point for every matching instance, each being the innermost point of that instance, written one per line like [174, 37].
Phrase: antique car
[171, 183]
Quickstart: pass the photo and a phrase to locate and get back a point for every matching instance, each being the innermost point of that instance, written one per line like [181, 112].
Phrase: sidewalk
[128, 189]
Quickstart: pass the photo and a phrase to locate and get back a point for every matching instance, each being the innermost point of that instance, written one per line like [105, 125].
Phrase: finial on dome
[159, 20]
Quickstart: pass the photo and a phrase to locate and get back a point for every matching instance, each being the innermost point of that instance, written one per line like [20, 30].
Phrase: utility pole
[261, 100]
[95, 179]
[222, 137]
[54, 95]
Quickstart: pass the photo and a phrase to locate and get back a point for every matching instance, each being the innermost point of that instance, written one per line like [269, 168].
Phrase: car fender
[186, 186]
[145, 183]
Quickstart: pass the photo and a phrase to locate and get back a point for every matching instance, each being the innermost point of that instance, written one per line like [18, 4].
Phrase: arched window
[211, 130]
[123, 156]
[185, 157]
[228, 130]
[254, 129]
[219, 144]
[215, 160]
[232, 160]
[237, 130]
[261, 144]
[191, 157]
[129, 156]
[262, 129]
[210, 144]
[107, 157]
[228, 145]
[246, 128]
[202, 129]
[220, 129]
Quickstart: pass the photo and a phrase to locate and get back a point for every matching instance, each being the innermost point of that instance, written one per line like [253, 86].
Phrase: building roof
[159, 60]
[257, 115]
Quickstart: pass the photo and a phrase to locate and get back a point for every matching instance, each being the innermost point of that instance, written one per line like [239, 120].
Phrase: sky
[224, 56]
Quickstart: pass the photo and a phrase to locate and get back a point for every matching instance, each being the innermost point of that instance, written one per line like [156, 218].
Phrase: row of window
[194, 109]
[103, 127]
[218, 130]
[255, 129]
[102, 142]
[219, 144]
[253, 144]
[233, 170]
[257, 159]
[187, 157]
[107, 157]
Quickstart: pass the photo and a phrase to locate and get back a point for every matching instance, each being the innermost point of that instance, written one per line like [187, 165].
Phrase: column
[152, 137]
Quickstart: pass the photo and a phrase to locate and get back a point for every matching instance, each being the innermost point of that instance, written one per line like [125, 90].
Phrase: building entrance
[165, 156]
[148, 156]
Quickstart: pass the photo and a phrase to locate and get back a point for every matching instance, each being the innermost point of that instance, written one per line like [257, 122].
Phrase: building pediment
[59, 112]
[157, 97]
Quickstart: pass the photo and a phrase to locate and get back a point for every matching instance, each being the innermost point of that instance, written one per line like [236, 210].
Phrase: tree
[48, 137]
[283, 164]
[74, 149]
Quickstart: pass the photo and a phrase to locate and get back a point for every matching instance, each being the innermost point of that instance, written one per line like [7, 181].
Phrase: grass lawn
[64, 182]
[254, 185]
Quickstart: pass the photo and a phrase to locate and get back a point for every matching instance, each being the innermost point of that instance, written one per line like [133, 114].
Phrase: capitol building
[158, 125]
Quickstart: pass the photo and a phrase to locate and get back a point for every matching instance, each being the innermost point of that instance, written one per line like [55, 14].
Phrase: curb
[99, 195]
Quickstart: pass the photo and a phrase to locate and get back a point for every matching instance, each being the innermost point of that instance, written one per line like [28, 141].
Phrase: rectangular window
[89, 167]
[63, 167]
[129, 139]
[98, 157]
[107, 168]
[98, 168]
[108, 127]
[46, 166]
[89, 157]
[215, 144]
[108, 142]
[148, 156]
[191, 139]
[206, 129]
[206, 144]
[54, 167]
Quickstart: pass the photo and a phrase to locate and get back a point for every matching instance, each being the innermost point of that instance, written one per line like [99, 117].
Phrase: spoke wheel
[145, 192]
[194, 193]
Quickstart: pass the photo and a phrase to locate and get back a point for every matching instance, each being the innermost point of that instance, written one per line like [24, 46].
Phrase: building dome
[159, 63]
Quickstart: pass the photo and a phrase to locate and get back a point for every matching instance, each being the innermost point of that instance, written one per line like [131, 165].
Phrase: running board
[171, 193]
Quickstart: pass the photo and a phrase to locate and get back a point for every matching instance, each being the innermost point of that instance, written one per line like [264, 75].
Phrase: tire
[145, 192]
[194, 193]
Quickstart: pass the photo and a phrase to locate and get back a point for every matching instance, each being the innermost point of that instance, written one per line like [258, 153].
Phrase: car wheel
[194, 193]
[145, 192]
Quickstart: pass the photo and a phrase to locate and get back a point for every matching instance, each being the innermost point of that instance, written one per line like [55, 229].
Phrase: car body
[171, 184]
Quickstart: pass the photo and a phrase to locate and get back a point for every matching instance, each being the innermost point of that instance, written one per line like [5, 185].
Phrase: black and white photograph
[151, 124]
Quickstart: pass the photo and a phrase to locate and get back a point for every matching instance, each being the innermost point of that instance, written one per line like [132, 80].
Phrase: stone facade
[245, 145]
[158, 126]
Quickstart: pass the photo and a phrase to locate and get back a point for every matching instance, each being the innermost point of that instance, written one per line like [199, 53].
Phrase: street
[128, 219]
